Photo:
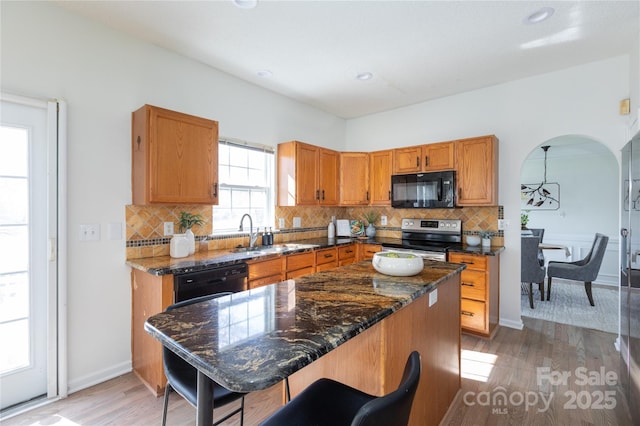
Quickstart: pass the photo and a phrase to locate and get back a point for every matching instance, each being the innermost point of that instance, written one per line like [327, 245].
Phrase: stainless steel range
[428, 238]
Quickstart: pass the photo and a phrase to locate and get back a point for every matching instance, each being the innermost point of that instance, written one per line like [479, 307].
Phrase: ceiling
[416, 50]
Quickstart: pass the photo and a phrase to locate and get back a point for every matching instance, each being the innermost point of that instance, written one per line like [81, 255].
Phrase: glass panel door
[23, 250]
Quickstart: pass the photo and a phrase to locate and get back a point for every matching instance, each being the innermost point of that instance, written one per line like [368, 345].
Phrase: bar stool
[331, 403]
[182, 376]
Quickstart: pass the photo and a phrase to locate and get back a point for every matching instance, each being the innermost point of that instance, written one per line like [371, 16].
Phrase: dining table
[257, 338]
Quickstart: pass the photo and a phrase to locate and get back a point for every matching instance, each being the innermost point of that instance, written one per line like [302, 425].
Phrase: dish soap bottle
[331, 230]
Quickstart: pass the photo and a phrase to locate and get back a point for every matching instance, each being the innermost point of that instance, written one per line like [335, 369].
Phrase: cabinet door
[307, 187]
[175, 158]
[368, 250]
[477, 171]
[354, 178]
[438, 156]
[328, 177]
[380, 166]
[407, 160]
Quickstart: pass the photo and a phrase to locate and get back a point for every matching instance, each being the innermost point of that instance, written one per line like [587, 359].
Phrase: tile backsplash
[145, 224]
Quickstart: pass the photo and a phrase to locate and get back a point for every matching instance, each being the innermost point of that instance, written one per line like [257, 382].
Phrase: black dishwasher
[231, 278]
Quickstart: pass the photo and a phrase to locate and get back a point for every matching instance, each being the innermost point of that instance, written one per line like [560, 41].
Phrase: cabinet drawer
[326, 256]
[473, 261]
[265, 281]
[368, 250]
[265, 268]
[347, 261]
[300, 261]
[346, 252]
[324, 266]
[472, 314]
[300, 272]
[473, 284]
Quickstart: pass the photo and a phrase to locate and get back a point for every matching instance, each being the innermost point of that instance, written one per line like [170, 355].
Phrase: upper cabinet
[424, 158]
[380, 167]
[477, 171]
[354, 175]
[307, 175]
[174, 158]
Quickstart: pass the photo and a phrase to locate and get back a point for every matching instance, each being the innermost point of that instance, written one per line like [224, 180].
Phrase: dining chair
[327, 402]
[539, 232]
[183, 377]
[530, 269]
[585, 270]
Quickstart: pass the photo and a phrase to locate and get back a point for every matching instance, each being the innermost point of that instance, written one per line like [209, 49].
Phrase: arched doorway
[582, 177]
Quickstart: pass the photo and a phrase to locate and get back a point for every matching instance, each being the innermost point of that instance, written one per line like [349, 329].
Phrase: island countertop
[254, 339]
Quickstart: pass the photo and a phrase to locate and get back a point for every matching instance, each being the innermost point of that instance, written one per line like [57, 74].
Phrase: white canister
[331, 230]
[179, 246]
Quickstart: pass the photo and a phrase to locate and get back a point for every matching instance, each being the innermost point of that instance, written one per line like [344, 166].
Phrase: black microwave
[435, 190]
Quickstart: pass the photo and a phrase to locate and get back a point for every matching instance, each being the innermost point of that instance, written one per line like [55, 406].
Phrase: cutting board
[343, 228]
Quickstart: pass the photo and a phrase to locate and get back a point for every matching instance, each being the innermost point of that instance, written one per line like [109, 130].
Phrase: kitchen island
[351, 324]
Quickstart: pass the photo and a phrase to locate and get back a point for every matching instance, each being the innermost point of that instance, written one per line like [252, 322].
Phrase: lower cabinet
[480, 293]
[346, 255]
[366, 251]
[267, 271]
[300, 264]
[326, 259]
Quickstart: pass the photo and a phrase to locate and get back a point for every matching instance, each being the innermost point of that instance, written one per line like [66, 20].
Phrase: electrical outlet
[383, 220]
[281, 223]
[503, 224]
[297, 222]
[89, 232]
[168, 228]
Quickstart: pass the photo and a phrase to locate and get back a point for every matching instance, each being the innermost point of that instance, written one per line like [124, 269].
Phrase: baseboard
[518, 325]
[99, 376]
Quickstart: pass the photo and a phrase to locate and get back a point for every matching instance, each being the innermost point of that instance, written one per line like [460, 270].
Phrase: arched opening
[570, 188]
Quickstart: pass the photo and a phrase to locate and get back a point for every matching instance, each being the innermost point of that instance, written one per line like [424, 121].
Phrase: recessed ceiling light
[363, 76]
[264, 73]
[540, 15]
[245, 4]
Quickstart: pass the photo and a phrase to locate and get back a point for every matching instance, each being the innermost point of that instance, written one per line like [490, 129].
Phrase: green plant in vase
[370, 217]
[524, 219]
[186, 222]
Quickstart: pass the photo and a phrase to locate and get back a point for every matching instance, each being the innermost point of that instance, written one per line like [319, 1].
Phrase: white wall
[589, 202]
[104, 76]
[522, 114]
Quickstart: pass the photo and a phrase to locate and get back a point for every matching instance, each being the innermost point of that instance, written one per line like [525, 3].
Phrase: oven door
[429, 255]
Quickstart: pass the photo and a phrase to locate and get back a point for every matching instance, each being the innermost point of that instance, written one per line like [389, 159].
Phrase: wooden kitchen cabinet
[346, 254]
[380, 167]
[300, 264]
[438, 156]
[407, 160]
[366, 251]
[477, 171]
[174, 158]
[308, 175]
[479, 292]
[150, 295]
[326, 259]
[354, 177]
[266, 271]
[424, 158]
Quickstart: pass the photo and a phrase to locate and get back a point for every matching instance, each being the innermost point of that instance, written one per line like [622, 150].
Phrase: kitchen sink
[277, 248]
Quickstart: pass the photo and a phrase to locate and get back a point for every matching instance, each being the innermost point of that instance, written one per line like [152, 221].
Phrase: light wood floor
[518, 354]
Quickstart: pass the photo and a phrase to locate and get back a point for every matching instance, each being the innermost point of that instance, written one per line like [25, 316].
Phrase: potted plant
[486, 238]
[524, 219]
[370, 217]
[186, 222]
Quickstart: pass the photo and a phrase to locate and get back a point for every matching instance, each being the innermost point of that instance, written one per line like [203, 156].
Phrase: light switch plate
[281, 223]
[89, 232]
[297, 222]
[168, 228]
[383, 220]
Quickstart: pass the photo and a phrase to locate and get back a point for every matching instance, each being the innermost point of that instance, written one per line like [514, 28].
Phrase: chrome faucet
[252, 237]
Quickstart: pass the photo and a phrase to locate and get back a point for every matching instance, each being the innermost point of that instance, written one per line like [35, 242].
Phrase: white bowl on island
[397, 264]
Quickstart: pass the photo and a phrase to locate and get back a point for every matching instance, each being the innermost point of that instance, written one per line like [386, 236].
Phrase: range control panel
[449, 226]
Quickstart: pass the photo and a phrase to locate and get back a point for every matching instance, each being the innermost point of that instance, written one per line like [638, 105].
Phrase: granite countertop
[254, 339]
[202, 260]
